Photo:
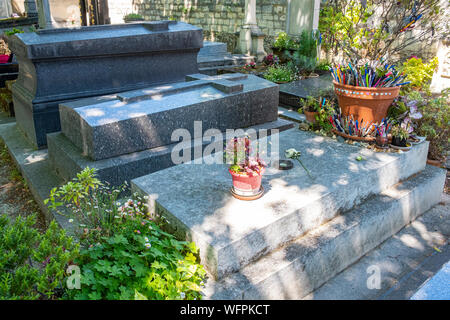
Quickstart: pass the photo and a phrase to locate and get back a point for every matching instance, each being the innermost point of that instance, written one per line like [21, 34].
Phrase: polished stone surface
[61, 65]
[66, 159]
[147, 118]
[291, 92]
[232, 233]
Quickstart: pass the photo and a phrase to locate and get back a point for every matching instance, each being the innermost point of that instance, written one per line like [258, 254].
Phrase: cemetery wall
[220, 20]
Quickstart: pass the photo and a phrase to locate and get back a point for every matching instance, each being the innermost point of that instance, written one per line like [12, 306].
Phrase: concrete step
[213, 48]
[223, 60]
[403, 262]
[299, 267]
[232, 233]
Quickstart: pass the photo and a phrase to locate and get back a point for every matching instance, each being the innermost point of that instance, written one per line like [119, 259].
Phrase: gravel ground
[15, 197]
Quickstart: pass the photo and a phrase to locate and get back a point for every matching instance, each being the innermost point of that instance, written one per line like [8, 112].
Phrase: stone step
[231, 233]
[299, 267]
[403, 262]
[213, 48]
[218, 61]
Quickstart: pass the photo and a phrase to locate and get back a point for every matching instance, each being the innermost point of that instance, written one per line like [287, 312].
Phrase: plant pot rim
[312, 75]
[245, 174]
[359, 88]
[355, 138]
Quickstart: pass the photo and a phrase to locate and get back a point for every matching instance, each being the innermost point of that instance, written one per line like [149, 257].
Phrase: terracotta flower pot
[310, 116]
[368, 104]
[246, 185]
[435, 163]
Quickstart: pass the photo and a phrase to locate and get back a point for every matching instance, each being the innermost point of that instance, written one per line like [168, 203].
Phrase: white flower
[291, 153]
[182, 295]
[70, 220]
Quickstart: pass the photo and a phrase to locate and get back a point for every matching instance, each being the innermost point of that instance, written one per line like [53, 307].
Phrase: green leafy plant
[435, 123]
[88, 203]
[280, 73]
[283, 41]
[13, 31]
[400, 132]
[375, 28]
[310, 104]
[133, 17]
[140, 261]
[126, 254]
[419, 73]
[305, 56]
[323, 65]
[33, 265]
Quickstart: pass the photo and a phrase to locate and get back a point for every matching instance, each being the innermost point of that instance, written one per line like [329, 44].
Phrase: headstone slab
[61, 65]
[146, 118]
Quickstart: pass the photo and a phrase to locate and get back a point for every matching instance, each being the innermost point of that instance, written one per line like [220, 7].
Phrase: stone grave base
[301, 232]
[43, 173]
[67, 159]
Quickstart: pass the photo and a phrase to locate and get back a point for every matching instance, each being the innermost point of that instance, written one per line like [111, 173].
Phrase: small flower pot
[382, 142]
[311, 75]
[245, 185]
[365, 103]
[310, 116]
[4, 58]
[396, 141]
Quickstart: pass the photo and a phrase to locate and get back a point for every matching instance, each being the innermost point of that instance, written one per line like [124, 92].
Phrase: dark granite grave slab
[145, 119]
[291, 92]
[8, 71]
[67, 159]
[61, 65]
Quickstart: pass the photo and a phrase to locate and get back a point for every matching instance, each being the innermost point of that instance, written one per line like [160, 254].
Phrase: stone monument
[130, 134]
[62, 65]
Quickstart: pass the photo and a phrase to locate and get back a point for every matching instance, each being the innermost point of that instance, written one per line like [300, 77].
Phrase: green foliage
[284, 41]
[133, 17]
[140, 261]
[353, 28]
[435, 123]
[323, 65]
[399, 132]
[88, 202]
[33, 265]
[305, 56]
[310, 104]
[280, 73]
[419, 73]
[126, 255]
[13, 31]
[322, 118]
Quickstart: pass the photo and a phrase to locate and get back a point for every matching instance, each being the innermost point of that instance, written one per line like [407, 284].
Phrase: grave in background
[62, 65]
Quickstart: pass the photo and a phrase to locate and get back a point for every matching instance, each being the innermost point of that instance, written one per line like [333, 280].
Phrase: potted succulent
[271, 59]
[310, 108]
[245, 168]
[400, 136]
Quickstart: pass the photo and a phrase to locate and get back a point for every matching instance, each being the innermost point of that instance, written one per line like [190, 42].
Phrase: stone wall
[220, 20]
[120, 8]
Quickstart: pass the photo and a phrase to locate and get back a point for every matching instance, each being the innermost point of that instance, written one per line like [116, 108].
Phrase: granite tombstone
[62, 65]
